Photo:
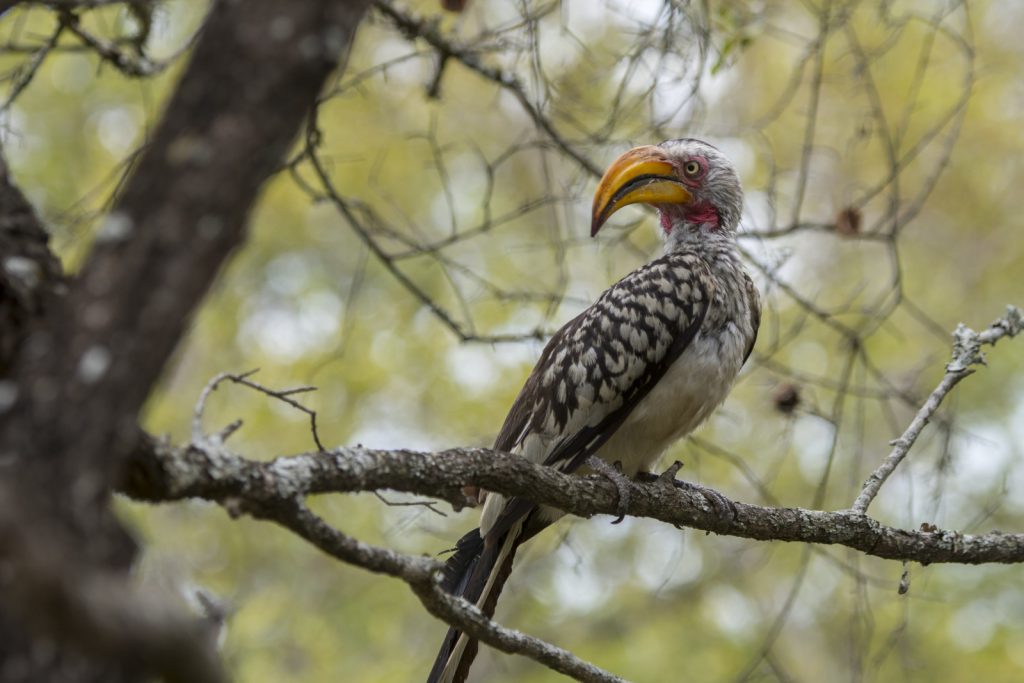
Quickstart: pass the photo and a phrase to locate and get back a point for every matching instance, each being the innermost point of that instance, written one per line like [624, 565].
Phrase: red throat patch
[703, 213]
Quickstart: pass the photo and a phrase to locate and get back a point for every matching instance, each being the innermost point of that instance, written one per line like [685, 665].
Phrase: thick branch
[164, 473]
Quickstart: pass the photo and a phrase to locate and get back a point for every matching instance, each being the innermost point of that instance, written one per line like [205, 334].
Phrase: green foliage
[307, 302]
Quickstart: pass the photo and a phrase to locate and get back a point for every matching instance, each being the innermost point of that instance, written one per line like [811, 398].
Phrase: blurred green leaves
[915, 110]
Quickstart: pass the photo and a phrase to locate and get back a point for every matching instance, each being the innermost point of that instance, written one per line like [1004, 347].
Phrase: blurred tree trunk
[78, 358]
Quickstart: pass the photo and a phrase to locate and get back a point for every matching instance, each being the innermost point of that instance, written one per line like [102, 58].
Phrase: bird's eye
[691, 169]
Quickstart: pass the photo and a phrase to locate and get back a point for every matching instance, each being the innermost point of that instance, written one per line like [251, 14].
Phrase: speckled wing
[600, 365]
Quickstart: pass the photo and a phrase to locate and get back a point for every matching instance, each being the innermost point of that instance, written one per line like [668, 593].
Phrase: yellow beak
[643, 174]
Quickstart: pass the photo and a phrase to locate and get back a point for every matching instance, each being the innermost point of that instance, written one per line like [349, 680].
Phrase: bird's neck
[719, 250]
[706, 240]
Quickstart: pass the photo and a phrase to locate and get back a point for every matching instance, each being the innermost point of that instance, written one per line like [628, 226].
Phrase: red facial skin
[696, 213]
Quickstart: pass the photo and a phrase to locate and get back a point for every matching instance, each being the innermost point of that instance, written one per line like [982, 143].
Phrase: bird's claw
[724, 508]
[667, 477]
[613, 473]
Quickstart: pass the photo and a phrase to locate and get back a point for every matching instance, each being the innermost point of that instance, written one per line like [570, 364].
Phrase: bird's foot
[724, 508]
[613, 473]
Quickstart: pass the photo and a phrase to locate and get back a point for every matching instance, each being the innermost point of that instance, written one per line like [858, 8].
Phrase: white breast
[690, 390]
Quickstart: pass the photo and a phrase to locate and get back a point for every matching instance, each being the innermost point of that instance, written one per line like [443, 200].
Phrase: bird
[633, 373]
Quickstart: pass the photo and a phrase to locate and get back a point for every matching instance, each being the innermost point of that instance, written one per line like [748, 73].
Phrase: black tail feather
[460, 565]
[457, 571]
[465, 575]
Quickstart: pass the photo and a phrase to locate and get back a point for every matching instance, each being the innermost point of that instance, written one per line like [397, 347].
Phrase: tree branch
[162, 473]
[414, 27]
[422, 575]
[280, 500]
[966, 353]
[206, 469]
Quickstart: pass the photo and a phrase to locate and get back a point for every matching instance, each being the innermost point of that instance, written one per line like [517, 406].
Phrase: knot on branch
[967, 343]
[1013, 322]
[966, 350]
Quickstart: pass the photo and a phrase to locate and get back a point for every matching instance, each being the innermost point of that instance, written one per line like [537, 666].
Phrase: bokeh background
[430, 231]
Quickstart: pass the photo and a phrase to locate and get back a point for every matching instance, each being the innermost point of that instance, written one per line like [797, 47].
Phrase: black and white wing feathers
[601, 364]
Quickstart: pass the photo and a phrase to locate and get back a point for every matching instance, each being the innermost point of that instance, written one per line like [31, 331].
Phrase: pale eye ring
[691, 169]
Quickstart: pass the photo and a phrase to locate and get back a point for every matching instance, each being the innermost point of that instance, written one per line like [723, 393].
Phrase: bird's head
[693, 186]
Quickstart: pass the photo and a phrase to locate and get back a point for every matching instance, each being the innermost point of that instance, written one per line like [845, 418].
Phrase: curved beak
[643, 174]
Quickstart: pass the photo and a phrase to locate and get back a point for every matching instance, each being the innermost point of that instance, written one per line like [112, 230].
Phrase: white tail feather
[448, 675]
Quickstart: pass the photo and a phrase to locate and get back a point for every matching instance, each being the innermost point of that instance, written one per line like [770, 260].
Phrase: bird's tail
[477, 572]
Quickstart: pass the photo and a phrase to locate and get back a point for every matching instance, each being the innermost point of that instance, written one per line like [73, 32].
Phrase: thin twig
[30, 70]
[133, 65]
[283, 395]
[966, 353]
[429, 504]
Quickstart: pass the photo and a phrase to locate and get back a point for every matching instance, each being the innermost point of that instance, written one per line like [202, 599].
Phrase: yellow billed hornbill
[639, 369]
